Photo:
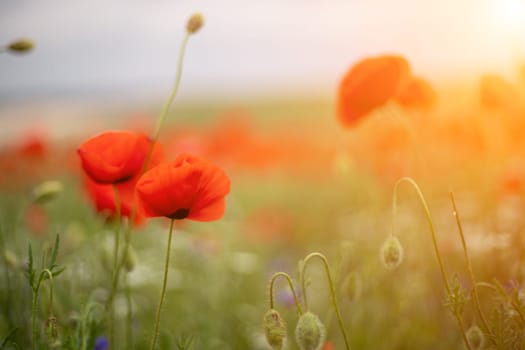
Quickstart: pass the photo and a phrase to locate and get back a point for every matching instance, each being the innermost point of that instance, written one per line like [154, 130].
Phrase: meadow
[366, 220]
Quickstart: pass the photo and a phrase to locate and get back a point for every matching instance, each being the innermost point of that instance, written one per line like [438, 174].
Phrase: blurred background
[121, 51]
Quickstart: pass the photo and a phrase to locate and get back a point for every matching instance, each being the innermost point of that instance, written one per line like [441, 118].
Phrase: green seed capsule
[475, 337]
[275, 329]
[391, 253]
[309, 332]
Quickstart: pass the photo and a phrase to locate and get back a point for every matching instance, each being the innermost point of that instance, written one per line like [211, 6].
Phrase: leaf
[54, 253]
[8, 337]
[30, 273]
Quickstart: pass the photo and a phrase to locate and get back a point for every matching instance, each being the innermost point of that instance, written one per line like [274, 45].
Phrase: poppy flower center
[180, 214]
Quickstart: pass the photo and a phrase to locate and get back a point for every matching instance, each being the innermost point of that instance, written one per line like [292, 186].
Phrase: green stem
[292, 288]
[115, 278]
[163, 290]
[332, 290]
[129, 320]
[469, 264]
[160, 122]
[178, 75]
[434, 242]
[34, 306]
[462, 329]
[429, 220]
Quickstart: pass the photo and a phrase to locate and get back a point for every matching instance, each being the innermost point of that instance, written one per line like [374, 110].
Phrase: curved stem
[469, 264]
[332, 290]
[292, 288]
[50, 274]
[429, 220]
[163, 290]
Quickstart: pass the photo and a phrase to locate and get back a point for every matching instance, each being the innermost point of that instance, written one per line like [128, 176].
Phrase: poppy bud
[275, 329]
[52, 331]
[130, 260]
[391, 253]
[194, 23]
[21, 46]
[309, 332]
[11, 260]
[352, 286]
[47, 191]
[475, 337]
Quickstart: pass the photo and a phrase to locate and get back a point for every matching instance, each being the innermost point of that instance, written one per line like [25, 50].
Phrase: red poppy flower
[416, 93]
[114, 156]
[369, 84]
[103, 198]
[189, 187]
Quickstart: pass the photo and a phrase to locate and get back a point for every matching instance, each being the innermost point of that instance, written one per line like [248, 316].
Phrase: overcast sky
[247, 47]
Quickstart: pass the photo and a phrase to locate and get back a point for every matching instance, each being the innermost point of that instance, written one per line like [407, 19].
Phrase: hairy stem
[292, 288]
[469, 264]
[332, 290]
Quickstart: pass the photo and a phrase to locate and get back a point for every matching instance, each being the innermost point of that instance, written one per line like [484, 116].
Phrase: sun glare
[512, 13]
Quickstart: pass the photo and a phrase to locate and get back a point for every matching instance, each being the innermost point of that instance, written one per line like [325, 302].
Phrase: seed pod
[21, 46]
[274, 328]
[475, 338]
[309, 332]
[391, 253]
[194, 23]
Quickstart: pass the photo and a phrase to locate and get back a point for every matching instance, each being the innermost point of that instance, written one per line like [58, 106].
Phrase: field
[408, 216]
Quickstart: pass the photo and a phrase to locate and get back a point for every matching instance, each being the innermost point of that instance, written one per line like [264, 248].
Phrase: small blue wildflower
[101, 343]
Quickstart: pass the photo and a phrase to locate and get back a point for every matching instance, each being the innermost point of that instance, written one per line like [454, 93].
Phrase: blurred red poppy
[496, 92]
[103, 198]
[115, 156]
[33, 146]
[416, 93]
[369, 84]
[189, 187]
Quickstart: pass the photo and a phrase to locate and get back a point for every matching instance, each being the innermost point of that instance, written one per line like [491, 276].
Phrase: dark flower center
[180, 214]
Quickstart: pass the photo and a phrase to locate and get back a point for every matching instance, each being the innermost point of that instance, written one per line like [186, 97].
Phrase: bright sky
[248, 46]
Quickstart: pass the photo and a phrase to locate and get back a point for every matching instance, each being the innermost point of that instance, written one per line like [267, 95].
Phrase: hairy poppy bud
[47, 191]
[275, 329]
[475, 337]
[194, 23]
[21, 46]
[391, 253]
[309, 332]
[52, 331]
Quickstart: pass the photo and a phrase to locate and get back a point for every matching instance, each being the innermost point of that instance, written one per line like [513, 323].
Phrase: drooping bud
[352, 286]
[309, 332]
[475, 338]
[47, 191]
[391, 253]
[130, 259]
[194, 23]
[52, 331]
[274, 328]
[21, 46]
